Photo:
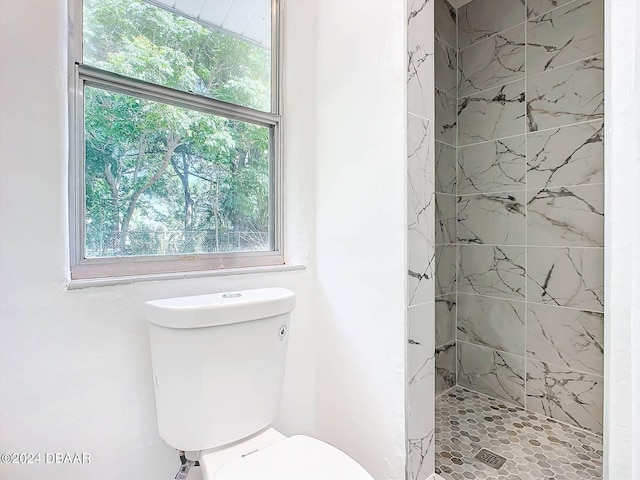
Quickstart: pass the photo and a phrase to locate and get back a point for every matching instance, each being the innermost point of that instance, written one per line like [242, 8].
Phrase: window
[175, 136]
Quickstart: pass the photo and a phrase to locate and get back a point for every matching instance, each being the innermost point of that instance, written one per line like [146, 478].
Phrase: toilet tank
[218, 364]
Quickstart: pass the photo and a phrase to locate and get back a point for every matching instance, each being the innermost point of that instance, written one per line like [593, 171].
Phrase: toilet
[218, 367]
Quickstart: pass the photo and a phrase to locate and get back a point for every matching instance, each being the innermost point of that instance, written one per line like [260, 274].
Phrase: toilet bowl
[218, 367]
[273, 456]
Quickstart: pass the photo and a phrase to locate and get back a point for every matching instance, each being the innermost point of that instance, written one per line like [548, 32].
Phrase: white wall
[75, 371]
[360, 230]
[622, 241]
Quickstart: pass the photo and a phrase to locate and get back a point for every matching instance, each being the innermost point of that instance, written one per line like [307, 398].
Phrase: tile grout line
[511, 82]
[455, 224]
[521, 245]
[525, 358]
[599, 119]
[527, 302]
[495, 34]
[420, 117]
[551, 10]
[526, 20]
[524, 190]
[541, 415]
[526, 206]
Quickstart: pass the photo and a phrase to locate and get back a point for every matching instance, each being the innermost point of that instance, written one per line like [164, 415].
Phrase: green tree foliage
[163, 179]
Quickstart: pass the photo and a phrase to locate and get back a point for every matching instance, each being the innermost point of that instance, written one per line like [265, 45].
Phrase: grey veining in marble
[564, 156]
[420, 456]
[420, 210]
[494, 373]
[420, 356]
[497, 166]
[445, 168]
[565, 395]
[493, 218]
[538, 7]
[566, 337]
[420, 388]
[566, 216]
[445, 367]
[445, 22]
[492, 62]
[446, 123]
[445, 319]
[566, 95]
[482, 18]
[445, 67]
[493, 271]
[491, 322]
[445, 269]
[445, 219]
[565, 35]
[570, 277]
[495, 113]
[420, 61]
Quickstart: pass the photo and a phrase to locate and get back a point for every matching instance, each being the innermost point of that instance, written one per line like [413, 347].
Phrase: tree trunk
[172, 144]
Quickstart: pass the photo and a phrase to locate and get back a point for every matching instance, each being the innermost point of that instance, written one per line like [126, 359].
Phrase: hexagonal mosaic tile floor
[536, 448]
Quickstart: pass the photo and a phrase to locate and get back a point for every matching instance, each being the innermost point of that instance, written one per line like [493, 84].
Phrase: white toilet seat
[295, 458]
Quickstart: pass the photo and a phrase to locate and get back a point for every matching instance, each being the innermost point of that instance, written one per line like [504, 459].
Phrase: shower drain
[490, 458]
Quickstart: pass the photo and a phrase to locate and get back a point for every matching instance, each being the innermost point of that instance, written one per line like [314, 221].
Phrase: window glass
[165, 180]
[216, 48]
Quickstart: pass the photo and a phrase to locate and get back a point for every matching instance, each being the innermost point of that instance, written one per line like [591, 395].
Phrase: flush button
[231, 295]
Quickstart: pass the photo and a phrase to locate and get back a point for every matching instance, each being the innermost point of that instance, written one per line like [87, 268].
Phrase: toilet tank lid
[217, 309]
[296, 458]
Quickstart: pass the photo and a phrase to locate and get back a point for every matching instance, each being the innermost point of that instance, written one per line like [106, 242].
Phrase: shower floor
[536, 448]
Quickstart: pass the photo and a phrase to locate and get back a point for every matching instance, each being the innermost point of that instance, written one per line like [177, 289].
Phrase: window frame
[80, 75]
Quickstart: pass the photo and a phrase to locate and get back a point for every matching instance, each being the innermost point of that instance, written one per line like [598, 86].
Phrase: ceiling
[248, 19]
[458, 3]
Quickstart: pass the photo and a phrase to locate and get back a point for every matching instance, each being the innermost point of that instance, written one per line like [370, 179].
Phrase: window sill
[104, 282]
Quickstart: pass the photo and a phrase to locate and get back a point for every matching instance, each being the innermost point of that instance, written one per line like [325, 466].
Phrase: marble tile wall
[446, 95]
[421, 235]
[529, 229]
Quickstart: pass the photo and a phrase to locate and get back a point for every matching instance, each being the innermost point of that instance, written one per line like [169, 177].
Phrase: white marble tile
[493, 218]
[445, 219]
[566, 156]
[566, 95]
[497, 166]
[567, 337]
[445, 168]
[420, 62]
[446, 62]
[565, 35]
[445, 367]
[494, 373]
[570, 277]
[445, 269]
[492, 114]
[446, 123]
[538, 7]
[445, 22]
[420, 390]
[445, 319]
[493, 271]
[492, 62]
[491, 322]
[566, 216]
[568, 396]
[420, 210]
[482, 18]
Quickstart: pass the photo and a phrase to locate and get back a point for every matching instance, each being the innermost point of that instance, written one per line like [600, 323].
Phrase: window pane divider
[112, 81]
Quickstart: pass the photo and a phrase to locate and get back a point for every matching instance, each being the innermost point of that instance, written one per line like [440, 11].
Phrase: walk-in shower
[518, 112]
